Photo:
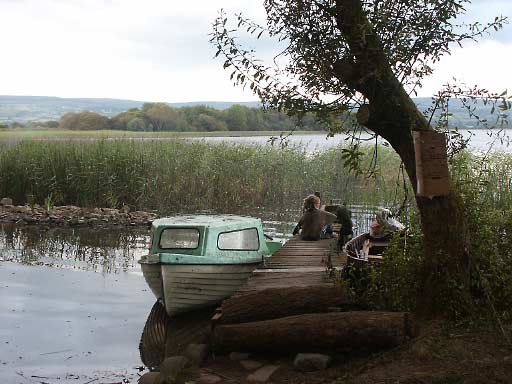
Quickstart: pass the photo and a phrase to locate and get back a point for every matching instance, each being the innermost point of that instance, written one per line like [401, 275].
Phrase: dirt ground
[435, 356]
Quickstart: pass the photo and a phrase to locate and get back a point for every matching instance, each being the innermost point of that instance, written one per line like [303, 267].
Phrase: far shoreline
[42, 134]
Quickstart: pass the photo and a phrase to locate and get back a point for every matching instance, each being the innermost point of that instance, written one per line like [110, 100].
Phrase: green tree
[84, 120]
[161, 116]
[366, 56]
[207, 123]
[236, 117]
[201, 118]
[132, 120]
[137, 124]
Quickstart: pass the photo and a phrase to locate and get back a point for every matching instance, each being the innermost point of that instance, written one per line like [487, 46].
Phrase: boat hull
[364, 249]
[184, 288]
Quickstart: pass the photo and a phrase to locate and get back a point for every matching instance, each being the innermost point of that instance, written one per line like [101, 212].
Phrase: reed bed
[490, 176]
[182, 176]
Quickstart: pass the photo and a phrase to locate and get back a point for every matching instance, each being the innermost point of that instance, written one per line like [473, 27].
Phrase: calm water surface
[479, 140]
[73, 301]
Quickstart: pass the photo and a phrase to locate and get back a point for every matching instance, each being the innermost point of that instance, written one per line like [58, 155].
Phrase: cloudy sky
[158, 50]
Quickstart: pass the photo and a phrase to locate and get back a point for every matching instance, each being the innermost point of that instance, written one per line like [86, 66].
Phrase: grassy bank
[177, 175]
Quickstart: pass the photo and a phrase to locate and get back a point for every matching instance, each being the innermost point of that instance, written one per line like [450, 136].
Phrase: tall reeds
[178, 175]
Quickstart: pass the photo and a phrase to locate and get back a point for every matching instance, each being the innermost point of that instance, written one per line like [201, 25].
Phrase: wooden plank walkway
[298, 263]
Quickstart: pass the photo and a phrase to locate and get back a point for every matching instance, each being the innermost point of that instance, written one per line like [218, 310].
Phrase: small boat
[197, 261]
[368, 247]
[364, 248]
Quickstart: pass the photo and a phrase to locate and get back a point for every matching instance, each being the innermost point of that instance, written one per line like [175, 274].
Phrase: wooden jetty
[295, 301]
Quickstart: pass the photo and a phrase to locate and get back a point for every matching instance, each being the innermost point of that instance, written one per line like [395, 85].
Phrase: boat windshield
[183, 238]
[242, 240]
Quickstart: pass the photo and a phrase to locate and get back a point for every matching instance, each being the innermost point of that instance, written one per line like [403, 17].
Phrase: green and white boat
[197, 261]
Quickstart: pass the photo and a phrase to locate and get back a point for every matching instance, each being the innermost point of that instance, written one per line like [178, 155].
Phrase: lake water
[74, 303]
[480, 140]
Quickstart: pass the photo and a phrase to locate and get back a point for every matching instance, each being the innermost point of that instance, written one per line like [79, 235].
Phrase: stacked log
[272, 303]
[335, 330]
[294, 304]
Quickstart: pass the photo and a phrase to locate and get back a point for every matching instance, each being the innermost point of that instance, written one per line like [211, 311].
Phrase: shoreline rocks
[70, 215]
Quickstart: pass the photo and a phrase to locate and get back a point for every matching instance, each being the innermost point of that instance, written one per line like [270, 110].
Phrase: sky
[158, 50]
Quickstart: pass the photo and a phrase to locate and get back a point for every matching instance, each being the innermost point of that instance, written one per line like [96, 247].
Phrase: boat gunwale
[352, 254]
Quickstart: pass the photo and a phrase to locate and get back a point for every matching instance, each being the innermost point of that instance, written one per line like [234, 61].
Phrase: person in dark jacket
[314, 223]
[344, 217]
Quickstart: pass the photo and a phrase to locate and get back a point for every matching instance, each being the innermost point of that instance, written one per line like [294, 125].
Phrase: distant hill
[217, 104]
[44, 108]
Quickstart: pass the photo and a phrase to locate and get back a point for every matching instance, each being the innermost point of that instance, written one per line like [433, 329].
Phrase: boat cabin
[202, 239]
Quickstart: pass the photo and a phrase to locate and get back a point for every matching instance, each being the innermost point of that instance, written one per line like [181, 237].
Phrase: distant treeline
[157, 117]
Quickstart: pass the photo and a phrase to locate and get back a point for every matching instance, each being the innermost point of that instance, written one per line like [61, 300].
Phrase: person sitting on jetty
[344, 217]
[314, 223]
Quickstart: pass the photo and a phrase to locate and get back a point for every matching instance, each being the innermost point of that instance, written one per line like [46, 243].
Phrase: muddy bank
[70, 215]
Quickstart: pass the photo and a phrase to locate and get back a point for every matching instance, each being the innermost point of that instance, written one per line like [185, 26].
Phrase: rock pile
[70, 215]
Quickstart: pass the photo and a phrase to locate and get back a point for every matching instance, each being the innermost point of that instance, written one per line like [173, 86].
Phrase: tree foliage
[161, 117]
[369, 56]
[83, 121]
[335, 56]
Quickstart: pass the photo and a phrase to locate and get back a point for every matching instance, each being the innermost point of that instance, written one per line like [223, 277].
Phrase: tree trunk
[339, 330]
[446, 242]
[273, 303]
[394, 116]
[446, 239]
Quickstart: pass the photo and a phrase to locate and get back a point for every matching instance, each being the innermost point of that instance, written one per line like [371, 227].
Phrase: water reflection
[115, 250]
[164, 336]
[102, 250]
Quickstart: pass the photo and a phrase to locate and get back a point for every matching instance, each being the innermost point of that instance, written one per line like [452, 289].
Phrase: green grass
[178, 175]
[181, 175]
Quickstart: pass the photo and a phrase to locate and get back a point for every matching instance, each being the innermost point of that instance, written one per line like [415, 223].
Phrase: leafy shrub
[484, 187]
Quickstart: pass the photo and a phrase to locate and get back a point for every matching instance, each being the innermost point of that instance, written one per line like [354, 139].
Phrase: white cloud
[485, 64]
[156, 50]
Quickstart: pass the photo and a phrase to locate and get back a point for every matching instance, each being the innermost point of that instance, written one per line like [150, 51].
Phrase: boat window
[243, 240]
[184, 238]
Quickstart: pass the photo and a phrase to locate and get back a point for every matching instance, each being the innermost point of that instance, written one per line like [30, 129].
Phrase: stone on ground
[307, 362]
[208, 378]
[6, 201]
[149, 378]
[196, 353]
[172, 367]
[251, 365]
[263, 374]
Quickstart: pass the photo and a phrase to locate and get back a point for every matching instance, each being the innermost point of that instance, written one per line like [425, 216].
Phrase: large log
[272, 303]
[335, 330]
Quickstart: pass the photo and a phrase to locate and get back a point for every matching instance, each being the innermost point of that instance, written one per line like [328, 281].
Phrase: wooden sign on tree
[431, 163]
